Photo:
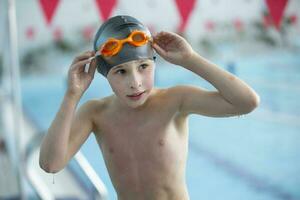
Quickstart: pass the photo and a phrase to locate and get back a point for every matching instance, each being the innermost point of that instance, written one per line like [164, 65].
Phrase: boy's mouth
[136, 96]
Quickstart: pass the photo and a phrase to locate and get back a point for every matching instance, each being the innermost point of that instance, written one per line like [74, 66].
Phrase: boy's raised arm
[69, 130]
[234, 96]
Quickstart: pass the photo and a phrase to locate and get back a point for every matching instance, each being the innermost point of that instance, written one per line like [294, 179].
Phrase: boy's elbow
[254, 102]
[48, 167]
[251, 104]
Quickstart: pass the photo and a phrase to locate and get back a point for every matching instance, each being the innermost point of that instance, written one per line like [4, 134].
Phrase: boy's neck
[125, 108]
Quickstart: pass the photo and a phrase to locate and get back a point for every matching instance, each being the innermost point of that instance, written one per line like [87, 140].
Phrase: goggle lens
[138, 37]
[109, 46]
[113, 46]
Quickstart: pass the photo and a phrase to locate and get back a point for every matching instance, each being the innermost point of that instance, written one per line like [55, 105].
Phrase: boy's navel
[111, 150]
[161, 142]
[231, 77]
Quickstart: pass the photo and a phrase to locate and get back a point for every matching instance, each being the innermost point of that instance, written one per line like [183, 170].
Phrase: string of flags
[185, 8]
[276, 9]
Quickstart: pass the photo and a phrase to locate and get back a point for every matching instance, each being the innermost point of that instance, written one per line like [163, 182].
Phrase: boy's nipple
[161, 142]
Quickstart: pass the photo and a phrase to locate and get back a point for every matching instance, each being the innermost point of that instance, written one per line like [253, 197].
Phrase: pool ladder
[77, 180]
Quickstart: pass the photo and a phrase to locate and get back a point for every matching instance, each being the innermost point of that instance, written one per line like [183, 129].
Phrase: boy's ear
[99, 63]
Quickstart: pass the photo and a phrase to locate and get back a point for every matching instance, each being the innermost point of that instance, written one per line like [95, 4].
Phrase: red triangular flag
[185, 8]
[238, 24]
[58, 34]
[88, 32]
[30, 33]
[276, 9]
[209, 25]
[105, 8]
[293, 19]
[48, 7]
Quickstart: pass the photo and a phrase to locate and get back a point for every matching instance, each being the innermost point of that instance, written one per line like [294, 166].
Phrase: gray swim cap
[120, 27]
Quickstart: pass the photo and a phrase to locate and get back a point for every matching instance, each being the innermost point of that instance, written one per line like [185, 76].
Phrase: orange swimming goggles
[112, 46]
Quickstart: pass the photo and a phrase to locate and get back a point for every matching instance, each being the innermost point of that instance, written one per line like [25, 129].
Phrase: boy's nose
[135, 87]
[135, 81]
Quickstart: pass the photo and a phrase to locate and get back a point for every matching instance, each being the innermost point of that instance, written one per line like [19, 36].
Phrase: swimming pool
[249, 157]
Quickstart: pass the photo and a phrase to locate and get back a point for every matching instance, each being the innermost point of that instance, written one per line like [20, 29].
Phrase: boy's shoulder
[101, 105]
[176, 95]
[171, 96]
[174, 91]
[94, 105]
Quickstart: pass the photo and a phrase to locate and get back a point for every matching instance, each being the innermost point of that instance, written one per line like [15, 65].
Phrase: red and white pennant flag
[185, 8]
[48, 7]
[276, 9]
[105, 8]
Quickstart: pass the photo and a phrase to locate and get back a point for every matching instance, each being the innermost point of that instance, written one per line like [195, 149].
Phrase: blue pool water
[253, 157]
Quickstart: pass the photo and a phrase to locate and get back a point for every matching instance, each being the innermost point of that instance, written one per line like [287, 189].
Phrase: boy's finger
[159, 50]
[80, 65]
[92, 68]
[82, 56]
[161, 35]
[157, 36]
[162, 40]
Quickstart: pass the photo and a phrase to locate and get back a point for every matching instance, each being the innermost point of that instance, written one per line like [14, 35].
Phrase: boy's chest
[149, 146]
[140, 135]
[134, 130]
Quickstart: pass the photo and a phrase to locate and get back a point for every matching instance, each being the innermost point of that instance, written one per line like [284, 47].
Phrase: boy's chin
[135, 105]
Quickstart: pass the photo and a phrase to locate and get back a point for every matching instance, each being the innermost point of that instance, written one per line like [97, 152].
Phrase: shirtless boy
[142, 130]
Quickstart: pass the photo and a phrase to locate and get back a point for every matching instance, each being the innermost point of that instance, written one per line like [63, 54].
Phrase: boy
[142, 130]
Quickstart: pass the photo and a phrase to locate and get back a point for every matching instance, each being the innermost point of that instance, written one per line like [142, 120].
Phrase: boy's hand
[78, 79]
[172, 47]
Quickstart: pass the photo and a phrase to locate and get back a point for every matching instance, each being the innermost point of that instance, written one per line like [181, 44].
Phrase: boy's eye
[144, 65]
[120, 71]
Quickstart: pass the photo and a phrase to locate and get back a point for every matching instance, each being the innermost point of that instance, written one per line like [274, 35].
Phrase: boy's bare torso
[145, 150]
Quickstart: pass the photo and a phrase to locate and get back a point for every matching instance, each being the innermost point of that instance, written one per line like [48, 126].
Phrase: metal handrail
[41, 189]
[92, 175]
[98, 185]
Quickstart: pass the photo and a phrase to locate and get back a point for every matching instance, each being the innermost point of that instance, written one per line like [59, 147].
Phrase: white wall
[72, 16]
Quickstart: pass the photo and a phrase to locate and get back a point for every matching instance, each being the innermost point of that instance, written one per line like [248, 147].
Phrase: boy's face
[132, 81]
